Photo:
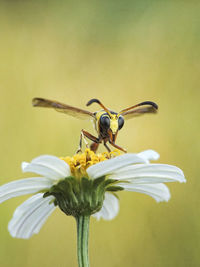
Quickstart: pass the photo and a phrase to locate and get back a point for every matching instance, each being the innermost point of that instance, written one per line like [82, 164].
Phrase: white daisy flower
[85, 184]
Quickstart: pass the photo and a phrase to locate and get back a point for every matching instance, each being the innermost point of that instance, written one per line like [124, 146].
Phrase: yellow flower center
[80, 162]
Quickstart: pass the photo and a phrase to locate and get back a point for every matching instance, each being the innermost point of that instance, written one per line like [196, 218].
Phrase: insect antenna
[94, 100]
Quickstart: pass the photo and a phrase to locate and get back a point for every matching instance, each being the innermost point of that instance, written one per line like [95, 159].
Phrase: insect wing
[60, 107]
[138, 112]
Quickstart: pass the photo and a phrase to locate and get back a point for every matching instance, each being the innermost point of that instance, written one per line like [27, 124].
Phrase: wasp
[106, 122]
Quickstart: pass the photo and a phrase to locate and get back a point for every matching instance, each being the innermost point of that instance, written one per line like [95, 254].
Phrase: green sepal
[78, 197]
[114, 188]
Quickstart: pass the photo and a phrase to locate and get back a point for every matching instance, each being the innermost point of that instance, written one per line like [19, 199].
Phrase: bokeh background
[121, 52]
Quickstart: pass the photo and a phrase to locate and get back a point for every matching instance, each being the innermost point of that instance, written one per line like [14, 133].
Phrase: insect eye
[105, 122]
[120, 122]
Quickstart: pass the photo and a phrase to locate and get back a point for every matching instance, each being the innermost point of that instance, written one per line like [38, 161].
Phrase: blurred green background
[121, 52]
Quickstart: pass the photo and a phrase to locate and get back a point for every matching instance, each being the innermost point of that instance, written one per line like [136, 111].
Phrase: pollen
[80, 162]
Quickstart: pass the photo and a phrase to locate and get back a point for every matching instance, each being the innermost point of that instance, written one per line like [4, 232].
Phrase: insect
[106, 122]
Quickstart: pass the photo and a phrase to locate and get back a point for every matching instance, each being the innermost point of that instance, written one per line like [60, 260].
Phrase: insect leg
[80, 143]
[118, 147]
[94, 146]
[82, 137]
[90, 137]
[107, 147]
[96, 141]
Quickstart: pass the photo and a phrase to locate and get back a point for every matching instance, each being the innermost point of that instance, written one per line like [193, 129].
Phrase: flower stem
[82, 240]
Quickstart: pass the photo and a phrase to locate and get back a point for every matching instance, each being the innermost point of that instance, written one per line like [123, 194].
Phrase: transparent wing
[60, 107]
[138, 112]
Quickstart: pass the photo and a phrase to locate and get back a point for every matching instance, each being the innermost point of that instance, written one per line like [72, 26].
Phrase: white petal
[149, 155]
[48, 166]
[149, 173]
[159, 192]
[29, 217]
[111, 165]
[109, 209]
[23, 187]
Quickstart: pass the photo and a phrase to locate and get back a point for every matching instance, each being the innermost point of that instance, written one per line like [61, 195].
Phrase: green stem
[82, 240]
